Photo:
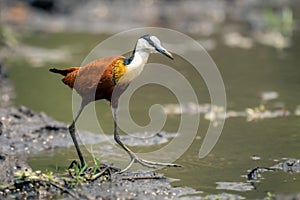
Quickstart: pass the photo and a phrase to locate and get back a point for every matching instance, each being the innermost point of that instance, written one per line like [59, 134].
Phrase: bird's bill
[164, 52]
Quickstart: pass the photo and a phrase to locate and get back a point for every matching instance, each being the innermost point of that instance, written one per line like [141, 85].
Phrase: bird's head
[151, 44]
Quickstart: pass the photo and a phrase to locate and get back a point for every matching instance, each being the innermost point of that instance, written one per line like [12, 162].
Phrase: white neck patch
[135, 68]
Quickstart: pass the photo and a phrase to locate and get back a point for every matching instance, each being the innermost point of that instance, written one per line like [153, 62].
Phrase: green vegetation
[26, 181]
[270, 196]
[7, 36]
[279, 21]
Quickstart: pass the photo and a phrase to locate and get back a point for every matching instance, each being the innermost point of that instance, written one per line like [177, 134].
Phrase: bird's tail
[63, 72]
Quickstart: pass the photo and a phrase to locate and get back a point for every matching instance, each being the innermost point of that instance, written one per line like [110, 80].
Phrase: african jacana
[108, 78]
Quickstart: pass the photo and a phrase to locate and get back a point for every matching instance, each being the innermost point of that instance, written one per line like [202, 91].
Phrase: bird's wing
[87, 78]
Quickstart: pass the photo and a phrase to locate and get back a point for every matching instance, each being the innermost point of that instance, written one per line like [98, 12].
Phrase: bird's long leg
[133, 156]
[72, 130]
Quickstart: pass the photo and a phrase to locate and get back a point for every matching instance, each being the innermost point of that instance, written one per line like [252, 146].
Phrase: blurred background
[254, 43]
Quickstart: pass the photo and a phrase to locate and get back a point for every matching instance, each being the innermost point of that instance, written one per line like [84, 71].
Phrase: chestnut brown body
[94, 81]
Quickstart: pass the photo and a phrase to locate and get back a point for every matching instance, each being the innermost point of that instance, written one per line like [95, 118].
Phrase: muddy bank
[134, 185]
[23, 132]
[9, 165]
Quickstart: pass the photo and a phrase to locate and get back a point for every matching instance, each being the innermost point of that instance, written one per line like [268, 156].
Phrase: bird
[107, 78]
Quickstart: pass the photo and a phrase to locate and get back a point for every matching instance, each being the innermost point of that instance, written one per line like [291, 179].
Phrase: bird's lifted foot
[146, 163]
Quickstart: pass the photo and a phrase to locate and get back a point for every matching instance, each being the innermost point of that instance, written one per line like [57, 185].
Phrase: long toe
[148, 163]
[140, 161]
[160, 163]
[145, 163]
[128, 166]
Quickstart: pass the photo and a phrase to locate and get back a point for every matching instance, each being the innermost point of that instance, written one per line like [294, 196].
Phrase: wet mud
[23, 132]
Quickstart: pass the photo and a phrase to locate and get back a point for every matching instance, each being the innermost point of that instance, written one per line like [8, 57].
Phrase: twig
[64, 189]
[141, 177]
[94, 177]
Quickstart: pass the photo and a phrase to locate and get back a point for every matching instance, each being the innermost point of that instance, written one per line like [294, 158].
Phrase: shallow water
[246, 74]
